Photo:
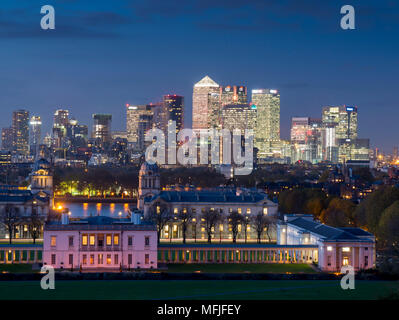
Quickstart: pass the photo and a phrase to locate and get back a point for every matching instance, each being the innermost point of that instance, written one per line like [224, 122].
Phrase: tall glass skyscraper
[202, 97]
[344, 118]
[20, 126]
[102, 127]
[35, 134]
[174, 108]
[267, 131]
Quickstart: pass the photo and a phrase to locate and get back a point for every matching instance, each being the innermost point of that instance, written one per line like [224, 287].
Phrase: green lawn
[239, 268]
[193, 290]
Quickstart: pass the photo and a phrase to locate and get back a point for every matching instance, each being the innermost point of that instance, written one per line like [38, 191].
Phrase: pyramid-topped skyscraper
[202, 95]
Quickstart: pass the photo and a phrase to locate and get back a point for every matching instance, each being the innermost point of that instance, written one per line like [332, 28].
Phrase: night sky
[104, 54]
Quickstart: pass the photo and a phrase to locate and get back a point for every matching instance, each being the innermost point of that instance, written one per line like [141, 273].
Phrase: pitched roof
[196, 196]
[206, 82]
[329, 233]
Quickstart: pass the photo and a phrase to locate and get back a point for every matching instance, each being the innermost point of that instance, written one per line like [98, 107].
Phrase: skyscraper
[102, 128]
[345, 119]
[35, 134]
[138, 122]
[267, 131]
[60, 124]
[7, 139]
[201, 101]
[20, 127]
[174, 108]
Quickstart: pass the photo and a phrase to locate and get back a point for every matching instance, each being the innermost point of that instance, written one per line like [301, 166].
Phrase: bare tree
[184, 216]
[261, 223]
[160, 214]
[245, 223]
[34, 224]
[234, 219]
[10, 217]
[210, 219]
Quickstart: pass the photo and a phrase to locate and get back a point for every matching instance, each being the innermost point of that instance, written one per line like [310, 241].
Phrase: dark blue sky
[104, 54]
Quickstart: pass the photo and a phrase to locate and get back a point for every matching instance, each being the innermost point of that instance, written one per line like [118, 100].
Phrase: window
[129, 259]
[345, 261]
[248, 210]
[53, 259]
[329, 248]
[329, 260]
[116, 240]
[116, 261]
[84, 240]
[70, 240]
[265, 211]
[100, 258]
[71, 259]
[130, 241]
[175, 210]
[366, 261]
[147, 241]
[147, 259]
[84, 259]
[108, 259]
[109, 240]
[239, 210]
[92, 259]
[53, 241]
[92, 239]
[100, 240]
[346, 249]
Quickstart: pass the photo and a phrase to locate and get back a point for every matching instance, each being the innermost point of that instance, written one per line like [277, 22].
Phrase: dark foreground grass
[17, 268]
[240, 268]
[194, 290]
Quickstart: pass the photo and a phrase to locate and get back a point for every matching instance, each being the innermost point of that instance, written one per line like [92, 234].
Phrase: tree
[160, 214]
[184, 216]
[261, 223]
[10, 217]
[210, 219]
[246, 221]
[34, 224]
[234, 219]
[388, 230]
[339, 213]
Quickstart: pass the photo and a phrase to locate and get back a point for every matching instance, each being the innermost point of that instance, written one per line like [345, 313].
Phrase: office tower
[35, 134]
[138, 122]
[238, 116]
[60, 124]
[306, 139]
[201, 102]
[330, 146]
[353, 150]
[159, 116]
[233, 94]
[345, 119]
[267, 131]
[20, 127]
[174, 108]
[7, 139]
[102, 128]
[77, 134]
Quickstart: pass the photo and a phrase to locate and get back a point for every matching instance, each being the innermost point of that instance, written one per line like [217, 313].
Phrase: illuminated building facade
[267, 132]
[7, 138]
[60, 124]
[138, 122]
[102, 127]
[20, 127]
[35, 134]
[345, 119]
[174, 108]
[204, 93]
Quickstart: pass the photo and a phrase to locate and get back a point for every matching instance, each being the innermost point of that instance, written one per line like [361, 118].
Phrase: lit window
[108, 259]
[175, 210]
[248, 210]
[116, 240]
[53, 241]
[239, 210]
[84, 240]
[109, 240]
[92, 239]
[265, 211]
[346, 249]
[329, 248]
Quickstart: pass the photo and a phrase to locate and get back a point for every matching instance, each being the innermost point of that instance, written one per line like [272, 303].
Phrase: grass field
[197, 290]
[239, 268]
[17, 268]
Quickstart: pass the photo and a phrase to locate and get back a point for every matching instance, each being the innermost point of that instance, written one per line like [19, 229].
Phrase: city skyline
[300, 50]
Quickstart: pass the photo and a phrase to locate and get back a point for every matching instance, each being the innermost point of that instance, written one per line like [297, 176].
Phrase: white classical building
[100, 243]
[224, 200]
[337, 247]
